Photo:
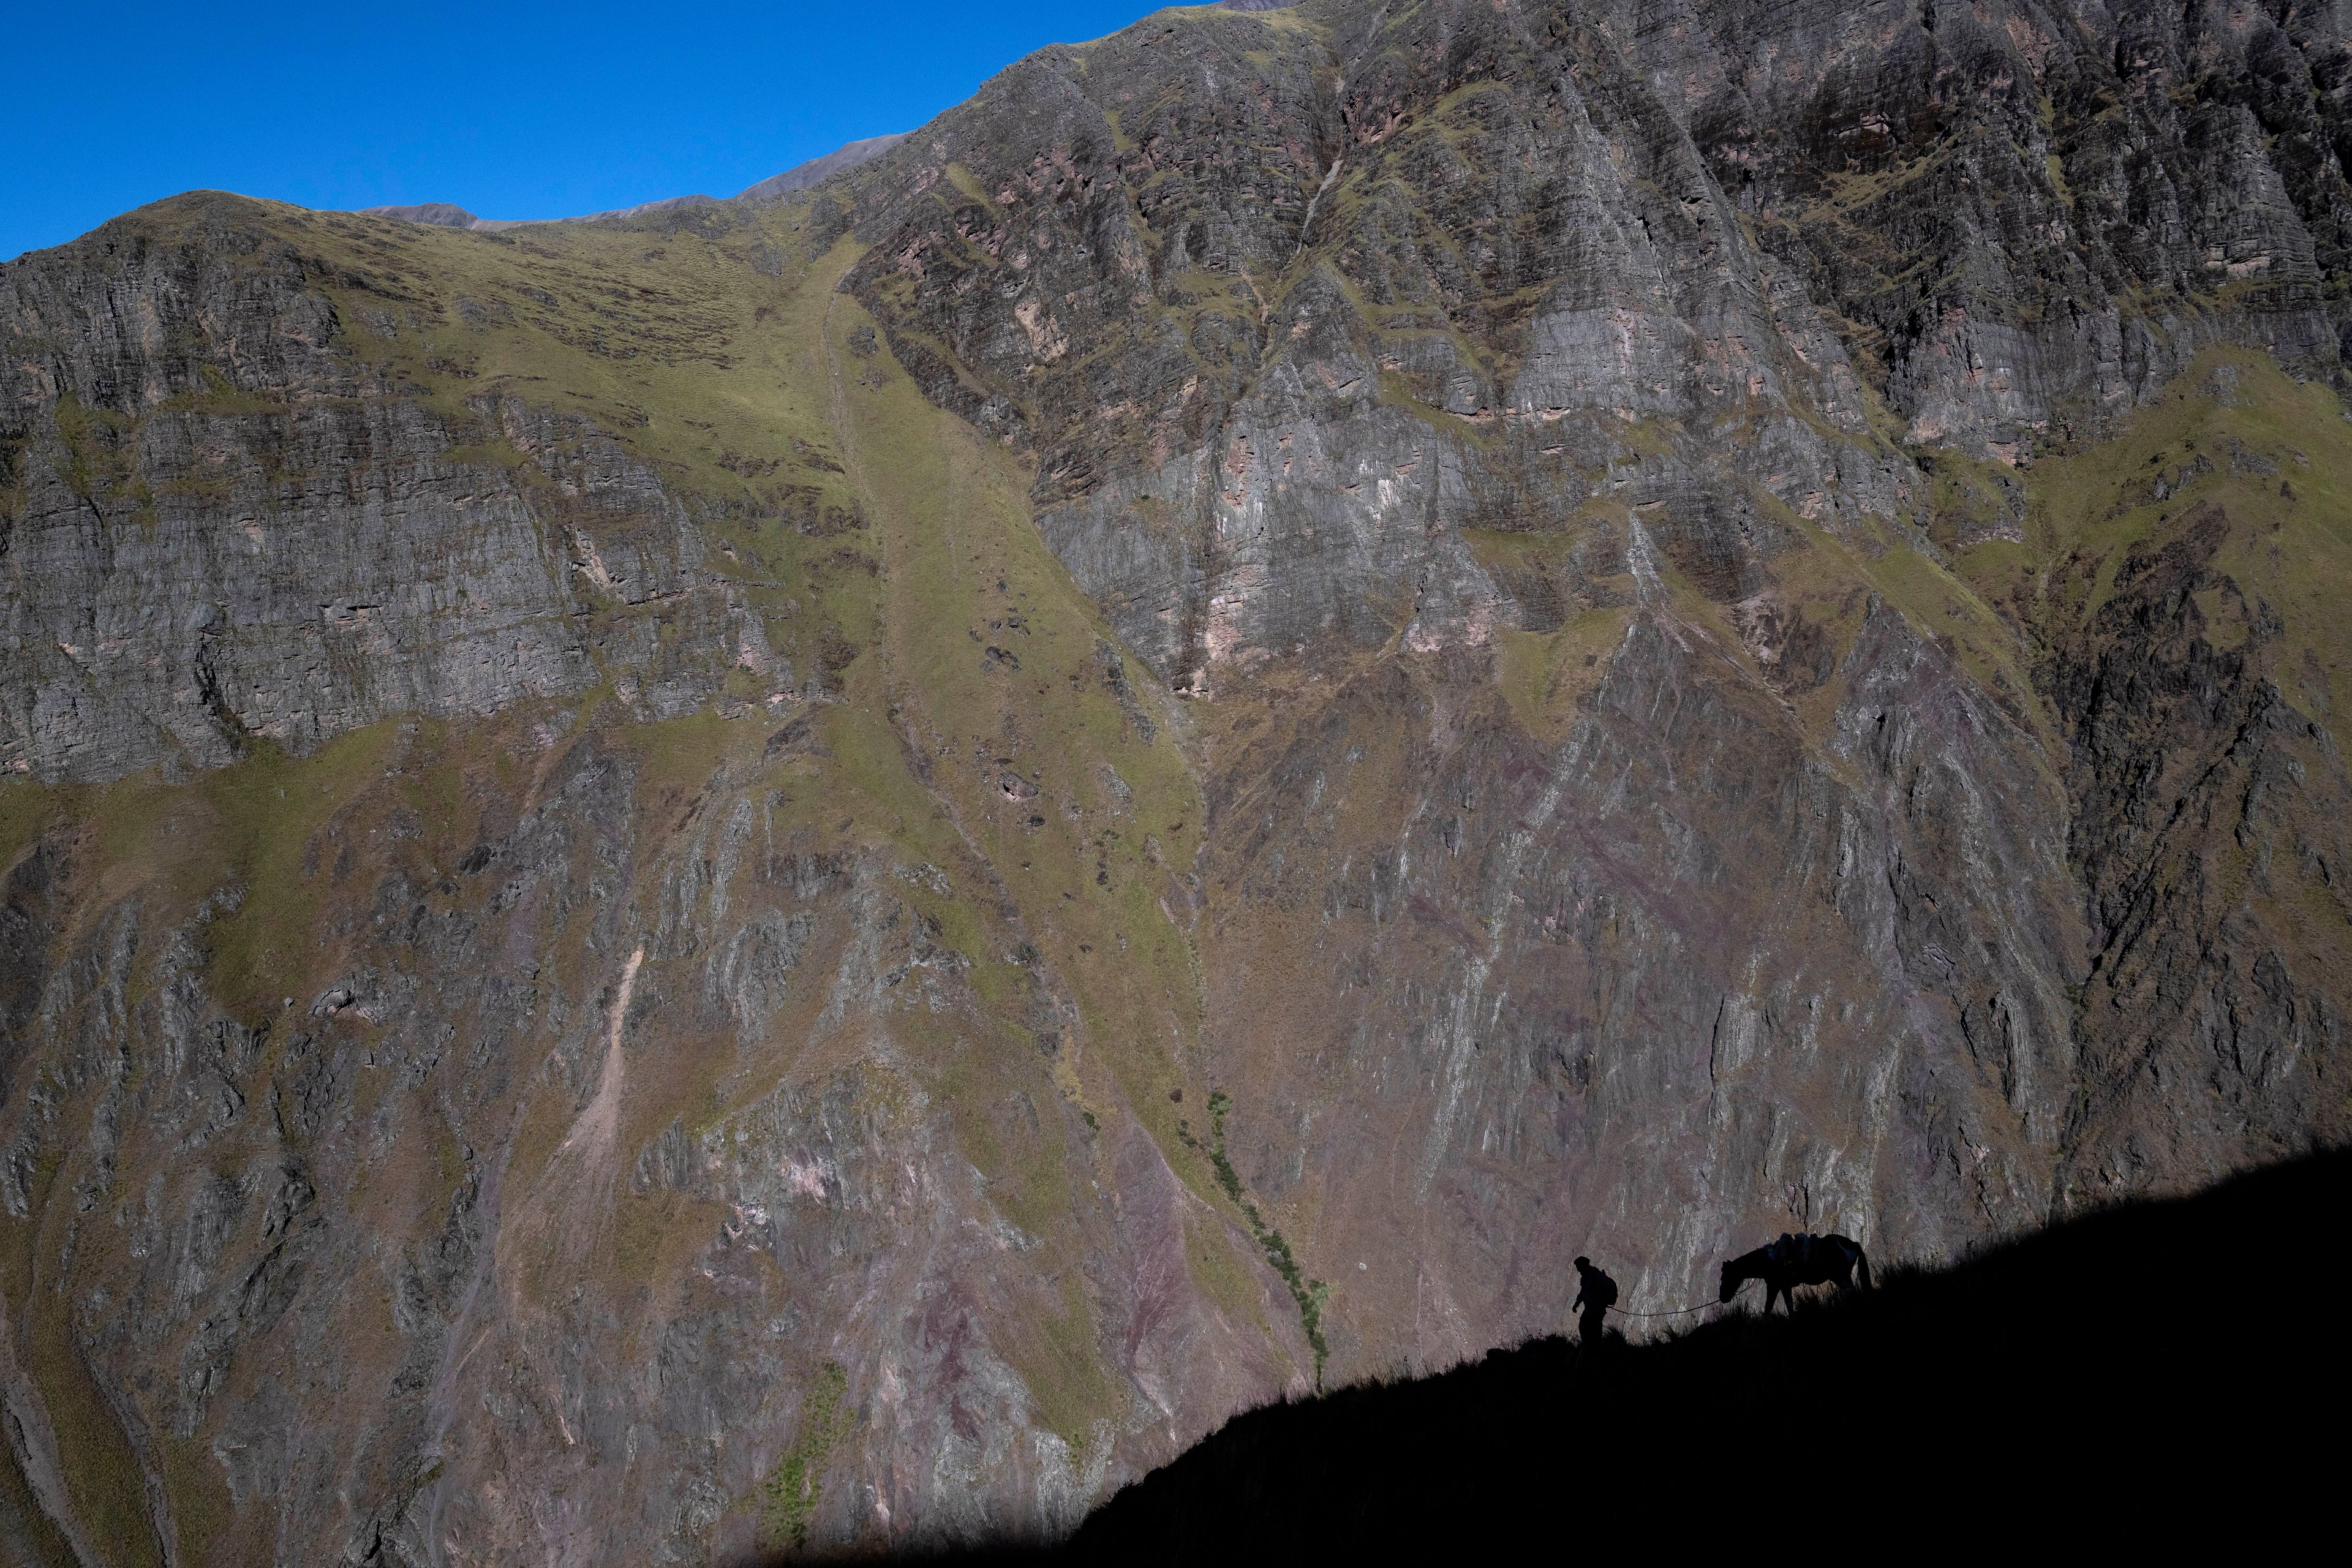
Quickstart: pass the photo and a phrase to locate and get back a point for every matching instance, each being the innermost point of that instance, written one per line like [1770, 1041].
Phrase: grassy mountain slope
[967, 731]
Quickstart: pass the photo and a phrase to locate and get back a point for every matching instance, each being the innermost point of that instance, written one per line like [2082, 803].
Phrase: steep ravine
[829, 871]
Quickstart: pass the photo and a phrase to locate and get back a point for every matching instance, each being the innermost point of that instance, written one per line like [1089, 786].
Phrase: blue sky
[512, 110]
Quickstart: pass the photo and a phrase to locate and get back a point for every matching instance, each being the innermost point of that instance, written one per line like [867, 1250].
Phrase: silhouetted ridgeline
[2150, 1369]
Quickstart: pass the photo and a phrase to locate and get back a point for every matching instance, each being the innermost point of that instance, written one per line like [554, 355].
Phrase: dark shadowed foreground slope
[2152, 1367]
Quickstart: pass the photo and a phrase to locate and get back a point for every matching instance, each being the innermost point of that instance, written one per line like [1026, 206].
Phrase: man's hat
[1584, 1263]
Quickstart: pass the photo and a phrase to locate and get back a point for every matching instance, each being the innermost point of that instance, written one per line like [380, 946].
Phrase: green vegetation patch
[97, 450]
[103, 1476]
[27, 811]
[1062, 1366]
[265, 808]
[222, 398]
[1545, 675]
[23, 1522]
[992, 726]
[788, 1498]
[2233, 431]
[203, 1516]
[1311, 1294]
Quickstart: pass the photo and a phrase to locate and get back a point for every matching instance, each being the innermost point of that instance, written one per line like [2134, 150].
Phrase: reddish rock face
[832, 868]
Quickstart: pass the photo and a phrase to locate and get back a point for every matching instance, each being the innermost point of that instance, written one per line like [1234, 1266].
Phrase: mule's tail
[1862, 1266]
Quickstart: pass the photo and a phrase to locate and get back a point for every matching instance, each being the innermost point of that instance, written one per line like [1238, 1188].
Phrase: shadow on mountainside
[2144, 1370]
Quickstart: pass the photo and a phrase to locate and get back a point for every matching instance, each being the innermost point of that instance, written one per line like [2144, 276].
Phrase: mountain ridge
[799, 177]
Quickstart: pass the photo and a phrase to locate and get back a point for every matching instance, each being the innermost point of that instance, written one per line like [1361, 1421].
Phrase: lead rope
[1678, 1311]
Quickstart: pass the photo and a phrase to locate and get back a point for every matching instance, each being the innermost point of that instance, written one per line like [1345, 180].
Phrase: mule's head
[1732, 1281]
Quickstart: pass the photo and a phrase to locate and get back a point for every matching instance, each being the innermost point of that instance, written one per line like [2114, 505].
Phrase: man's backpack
[1605, 1293]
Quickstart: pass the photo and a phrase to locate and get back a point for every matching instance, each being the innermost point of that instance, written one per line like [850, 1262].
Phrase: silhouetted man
[1594, 1297]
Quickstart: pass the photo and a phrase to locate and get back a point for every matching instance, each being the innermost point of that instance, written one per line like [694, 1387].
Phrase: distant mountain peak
[802, 176]
[440, 214]
[799, 177]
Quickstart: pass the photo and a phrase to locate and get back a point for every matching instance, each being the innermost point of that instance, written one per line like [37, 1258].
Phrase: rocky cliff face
[830, 870]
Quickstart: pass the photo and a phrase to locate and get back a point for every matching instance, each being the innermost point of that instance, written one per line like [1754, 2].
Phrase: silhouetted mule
[1795, 1260]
